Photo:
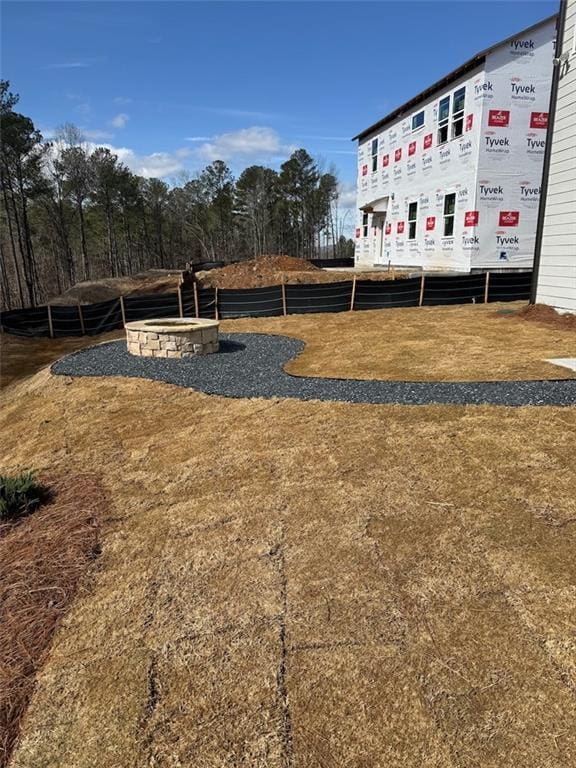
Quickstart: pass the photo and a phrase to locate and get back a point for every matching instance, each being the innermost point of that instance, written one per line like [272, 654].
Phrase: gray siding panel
[557, 274]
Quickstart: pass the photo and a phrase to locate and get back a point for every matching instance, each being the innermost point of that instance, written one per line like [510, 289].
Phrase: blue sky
[173, 85]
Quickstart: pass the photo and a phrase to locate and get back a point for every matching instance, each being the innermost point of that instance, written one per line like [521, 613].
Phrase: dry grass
[42, 559]
[457, 343]
[107, 288]
[21, 357]
[313, 585]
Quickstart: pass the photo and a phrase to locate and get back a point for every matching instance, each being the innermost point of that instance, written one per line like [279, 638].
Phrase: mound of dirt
[542, 313]
[273, 270]
[254, 273]
[92, 291]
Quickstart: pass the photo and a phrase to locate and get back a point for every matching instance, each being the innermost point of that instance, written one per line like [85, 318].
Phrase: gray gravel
[251, 365]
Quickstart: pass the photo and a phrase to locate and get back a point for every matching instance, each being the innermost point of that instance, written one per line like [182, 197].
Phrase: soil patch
[542, 313]
[42, 559]
[107, 288]
[274, 270]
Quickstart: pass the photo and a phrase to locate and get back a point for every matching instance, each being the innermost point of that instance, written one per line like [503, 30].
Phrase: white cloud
[197, 138]
[69, 65]
[96, 134]
[239, 113]
[120, 120]
[347, 195]
[246, 144]
[154, 165]
[122, 100]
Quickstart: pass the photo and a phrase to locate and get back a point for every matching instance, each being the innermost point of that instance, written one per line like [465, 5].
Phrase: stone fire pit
[172, 337]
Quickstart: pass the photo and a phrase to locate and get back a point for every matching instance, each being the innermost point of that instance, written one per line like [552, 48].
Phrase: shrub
[19, 495]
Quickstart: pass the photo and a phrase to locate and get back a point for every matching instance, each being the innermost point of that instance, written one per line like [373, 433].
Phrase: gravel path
[251, 365]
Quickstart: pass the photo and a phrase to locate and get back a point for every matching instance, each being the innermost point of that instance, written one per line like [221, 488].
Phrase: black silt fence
[147, 306]
[383, 294]
[465, 289]
[106, 316]
[251, 302]
[319, 297]
[204, 266]
[207, 302]
[66, 321]
[188, 301]
[341, 263]
[102, 317]
[513, 286]
[26, 322]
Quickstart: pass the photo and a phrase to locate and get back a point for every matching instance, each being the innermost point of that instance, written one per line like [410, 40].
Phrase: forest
[72, 212]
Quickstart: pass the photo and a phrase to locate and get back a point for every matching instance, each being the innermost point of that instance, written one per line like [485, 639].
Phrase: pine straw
[42, 559]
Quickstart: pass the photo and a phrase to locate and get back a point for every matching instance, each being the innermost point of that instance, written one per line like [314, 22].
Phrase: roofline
[475, 61]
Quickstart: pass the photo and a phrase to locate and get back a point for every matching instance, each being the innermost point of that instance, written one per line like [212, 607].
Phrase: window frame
[422, 124]
[443, 123]
[412, 222]
[448, 216]
[374, 154]
[365, 226]
[458, 117]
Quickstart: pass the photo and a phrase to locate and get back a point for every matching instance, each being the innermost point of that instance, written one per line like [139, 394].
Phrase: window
[451, 128]
[443, 119]
[412, 218]
[449, 209]
[374, 155]
[365, 225]
[458, 112]
[417, 120]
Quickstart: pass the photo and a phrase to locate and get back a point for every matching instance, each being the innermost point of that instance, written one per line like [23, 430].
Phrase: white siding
[557, 273]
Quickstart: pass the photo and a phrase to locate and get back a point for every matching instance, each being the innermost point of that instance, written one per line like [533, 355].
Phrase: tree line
[73, 212]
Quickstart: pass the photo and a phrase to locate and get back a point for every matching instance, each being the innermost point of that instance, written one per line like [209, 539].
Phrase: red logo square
[539, 120]
[499, 118]
[509, 218]
[364, 170]
[400, 227]
[385, 160]
[398, 154]
[388, 229]
[469, 122]
[412, 148]
[430, 223]
[428, 141]
[471, 218]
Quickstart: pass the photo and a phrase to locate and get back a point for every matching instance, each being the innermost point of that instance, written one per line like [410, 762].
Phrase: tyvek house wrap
[494, 168]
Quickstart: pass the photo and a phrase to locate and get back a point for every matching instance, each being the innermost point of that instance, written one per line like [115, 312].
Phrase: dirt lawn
[305, 584]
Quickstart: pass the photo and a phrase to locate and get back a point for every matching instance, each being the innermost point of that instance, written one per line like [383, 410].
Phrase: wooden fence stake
[180, 305]
[353, 293]
[196, 308]
[50, 326]
[421, 291]
[123, 310]
[216, 304]
[284, 310]
[81, 318]
[486, 287]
